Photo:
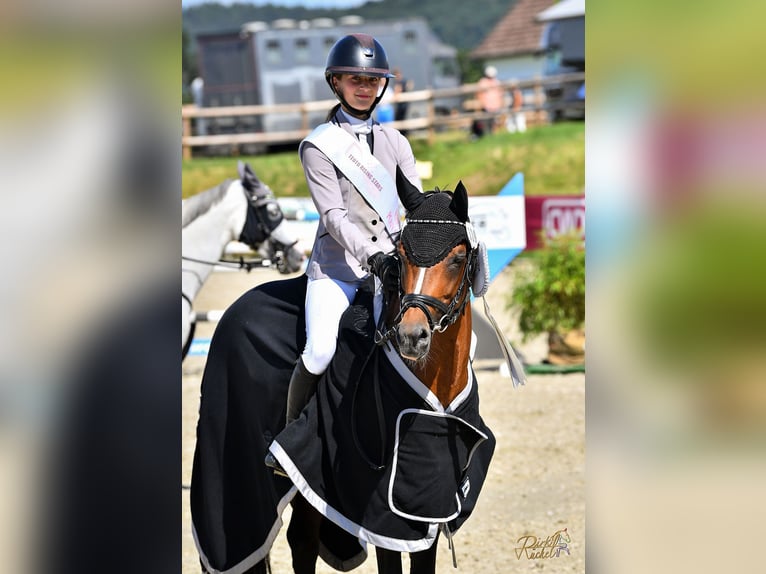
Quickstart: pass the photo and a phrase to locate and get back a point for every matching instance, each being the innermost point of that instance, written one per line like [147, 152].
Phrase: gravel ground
[536, 483]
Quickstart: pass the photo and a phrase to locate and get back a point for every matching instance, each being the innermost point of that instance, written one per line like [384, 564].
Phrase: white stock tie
[361, 131]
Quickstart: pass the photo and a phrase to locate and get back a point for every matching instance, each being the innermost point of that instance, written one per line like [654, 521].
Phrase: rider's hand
[386, 268]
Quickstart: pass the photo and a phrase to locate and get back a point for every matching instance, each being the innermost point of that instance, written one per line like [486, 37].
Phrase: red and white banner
[549, 216]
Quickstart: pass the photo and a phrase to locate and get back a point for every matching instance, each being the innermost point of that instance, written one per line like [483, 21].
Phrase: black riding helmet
[358, 54]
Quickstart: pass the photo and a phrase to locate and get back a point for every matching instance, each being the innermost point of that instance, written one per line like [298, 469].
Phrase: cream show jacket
[350, 230]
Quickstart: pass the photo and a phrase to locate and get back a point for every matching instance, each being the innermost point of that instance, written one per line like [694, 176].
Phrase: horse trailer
[564, 48]
[283, 62]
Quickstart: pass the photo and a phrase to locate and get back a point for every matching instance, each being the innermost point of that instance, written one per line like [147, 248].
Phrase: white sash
[362, 169]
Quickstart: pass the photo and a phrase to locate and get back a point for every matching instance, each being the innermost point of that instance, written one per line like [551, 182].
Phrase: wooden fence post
[431, 116]
[186, 150]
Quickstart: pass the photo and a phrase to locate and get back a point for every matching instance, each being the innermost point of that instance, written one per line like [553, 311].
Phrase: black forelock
[425, 243]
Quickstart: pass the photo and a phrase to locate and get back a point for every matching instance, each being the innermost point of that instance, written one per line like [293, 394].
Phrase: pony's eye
[455, 263]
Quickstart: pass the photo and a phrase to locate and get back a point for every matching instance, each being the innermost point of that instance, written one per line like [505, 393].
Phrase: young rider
[350, 163]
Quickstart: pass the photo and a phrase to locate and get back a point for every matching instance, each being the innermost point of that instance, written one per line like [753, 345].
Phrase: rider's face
[359, 91]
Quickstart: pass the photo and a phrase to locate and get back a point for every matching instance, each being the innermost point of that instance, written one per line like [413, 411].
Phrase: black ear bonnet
[435, 227]
[263, 211]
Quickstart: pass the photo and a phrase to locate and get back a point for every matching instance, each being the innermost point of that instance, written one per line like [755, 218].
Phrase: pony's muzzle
[413, 338]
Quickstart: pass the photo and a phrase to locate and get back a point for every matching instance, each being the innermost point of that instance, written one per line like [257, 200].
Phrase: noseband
[450, 312]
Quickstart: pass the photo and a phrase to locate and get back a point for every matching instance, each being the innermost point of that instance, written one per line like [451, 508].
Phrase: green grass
[281, 171]
[551, 157]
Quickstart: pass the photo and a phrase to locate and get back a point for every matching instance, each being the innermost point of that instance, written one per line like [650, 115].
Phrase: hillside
[457, 23]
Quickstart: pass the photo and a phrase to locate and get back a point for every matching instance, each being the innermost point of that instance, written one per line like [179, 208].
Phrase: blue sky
[289, 3]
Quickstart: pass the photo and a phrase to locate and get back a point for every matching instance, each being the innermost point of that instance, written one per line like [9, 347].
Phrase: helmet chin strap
[362, 114]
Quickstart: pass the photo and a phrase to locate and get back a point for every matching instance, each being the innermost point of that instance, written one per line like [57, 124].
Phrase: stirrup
[274, 465]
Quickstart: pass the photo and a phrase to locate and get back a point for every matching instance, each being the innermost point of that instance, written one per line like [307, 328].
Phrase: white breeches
[326, 300]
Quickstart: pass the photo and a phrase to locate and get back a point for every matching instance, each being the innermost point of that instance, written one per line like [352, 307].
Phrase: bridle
[450, 312]
[263, 215]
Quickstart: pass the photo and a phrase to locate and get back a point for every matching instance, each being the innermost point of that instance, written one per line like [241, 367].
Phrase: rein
[246, 265]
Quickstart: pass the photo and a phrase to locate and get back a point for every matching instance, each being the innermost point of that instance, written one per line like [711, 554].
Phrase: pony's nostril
[414, 341]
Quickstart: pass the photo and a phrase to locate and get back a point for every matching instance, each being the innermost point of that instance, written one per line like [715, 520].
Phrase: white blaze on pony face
[421, 277]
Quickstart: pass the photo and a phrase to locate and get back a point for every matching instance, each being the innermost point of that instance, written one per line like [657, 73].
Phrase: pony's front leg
[389, 561]
[303, 536]
[424, 562]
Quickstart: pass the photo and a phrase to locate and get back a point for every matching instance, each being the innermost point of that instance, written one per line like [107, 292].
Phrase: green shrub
[550, 295]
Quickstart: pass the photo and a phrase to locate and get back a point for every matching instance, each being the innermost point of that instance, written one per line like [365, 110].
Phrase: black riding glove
[386, 268]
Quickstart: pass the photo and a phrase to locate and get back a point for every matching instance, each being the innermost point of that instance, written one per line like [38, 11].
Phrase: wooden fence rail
[535, 108]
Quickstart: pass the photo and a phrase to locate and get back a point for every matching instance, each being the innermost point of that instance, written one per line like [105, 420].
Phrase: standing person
[517, 122]
[385, 112]
[491, 99]
[197, 87]
[350, 163]
[401, 86]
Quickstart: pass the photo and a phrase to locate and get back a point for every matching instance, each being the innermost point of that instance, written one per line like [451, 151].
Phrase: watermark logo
[534, 548]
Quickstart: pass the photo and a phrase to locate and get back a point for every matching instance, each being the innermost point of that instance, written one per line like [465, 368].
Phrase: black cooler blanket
[376, 453]
[236, 501]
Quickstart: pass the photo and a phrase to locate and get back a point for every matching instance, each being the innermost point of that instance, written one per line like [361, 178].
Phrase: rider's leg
[326, 300]
[302, 386]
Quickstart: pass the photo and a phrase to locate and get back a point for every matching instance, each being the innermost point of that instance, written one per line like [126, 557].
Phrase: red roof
[517, 33]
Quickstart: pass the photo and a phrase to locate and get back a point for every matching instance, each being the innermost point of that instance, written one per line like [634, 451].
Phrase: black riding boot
[302, 386]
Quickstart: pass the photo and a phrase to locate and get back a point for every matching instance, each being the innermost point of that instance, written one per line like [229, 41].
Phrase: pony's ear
[410, 195]
[459, 203]
[247, 176]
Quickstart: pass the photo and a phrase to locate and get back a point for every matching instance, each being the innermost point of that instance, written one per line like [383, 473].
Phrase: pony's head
[264, 216]
[438, 252]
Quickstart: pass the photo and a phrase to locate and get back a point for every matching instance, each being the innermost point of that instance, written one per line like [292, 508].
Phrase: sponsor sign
[550, 216]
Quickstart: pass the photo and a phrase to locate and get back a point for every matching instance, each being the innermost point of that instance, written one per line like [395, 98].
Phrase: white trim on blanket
[342, 565]
[343, 522]
[261, 552]
[422, 390]
[462, 396]
[409, 377]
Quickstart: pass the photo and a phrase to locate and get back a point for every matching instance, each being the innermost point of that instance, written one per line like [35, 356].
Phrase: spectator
[401, 85]
[490, 96]
[518, 121]
[198, 90]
